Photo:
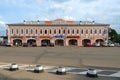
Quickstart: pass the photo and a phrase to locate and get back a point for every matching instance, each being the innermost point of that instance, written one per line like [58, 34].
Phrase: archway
[59, 42]
[31, 42]
[73, 42]
[17, 42]
[86, 42]
[99, 40]
[45, 42]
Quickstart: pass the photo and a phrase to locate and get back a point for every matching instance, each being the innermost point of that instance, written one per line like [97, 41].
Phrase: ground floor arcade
[55, 41]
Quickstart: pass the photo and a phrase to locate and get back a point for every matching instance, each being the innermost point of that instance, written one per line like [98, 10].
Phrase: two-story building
[59, 32]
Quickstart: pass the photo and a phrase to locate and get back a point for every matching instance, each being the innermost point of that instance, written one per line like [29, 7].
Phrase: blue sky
[101, 11]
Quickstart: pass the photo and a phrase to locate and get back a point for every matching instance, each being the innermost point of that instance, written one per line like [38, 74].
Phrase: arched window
[59, 31]
[31, 31]
[77, 31]
[36, 31]
[105, 31]
[87, 31]
[91, 31]
[26, 31]
[21, 31]
[100, 31]
[50, 31]
[68, 31]
[16, 31]
[55, 31]
[45, 31]
[73, 31]
[12, 31]
[95, 31]
[40, 31]
[82, 31]
[63, 31]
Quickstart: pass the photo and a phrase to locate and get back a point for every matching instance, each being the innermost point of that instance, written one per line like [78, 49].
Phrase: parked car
[61, 70]
[51, 44]
[96, 44]
[38, 69]
[88, 45]
[117, 45]
[104, 44]
[8, 45]
[91, 73]
[25, 45]
[34, 45]
[13, 67]
[111, 45]
[44, 44]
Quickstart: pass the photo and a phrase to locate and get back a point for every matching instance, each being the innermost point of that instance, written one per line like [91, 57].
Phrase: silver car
[38, 69]
[91, 73]
[61, 70]
[13, 67]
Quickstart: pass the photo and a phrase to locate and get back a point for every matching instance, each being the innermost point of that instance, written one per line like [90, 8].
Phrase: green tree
[114, 36]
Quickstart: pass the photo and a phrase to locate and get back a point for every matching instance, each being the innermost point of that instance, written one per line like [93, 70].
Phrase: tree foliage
[114, 36]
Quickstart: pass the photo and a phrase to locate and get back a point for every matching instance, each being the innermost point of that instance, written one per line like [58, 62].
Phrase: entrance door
[59, 42]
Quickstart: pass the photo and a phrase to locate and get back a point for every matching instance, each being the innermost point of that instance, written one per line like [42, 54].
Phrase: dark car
[25, 45]
[43, 44]
[51, 44]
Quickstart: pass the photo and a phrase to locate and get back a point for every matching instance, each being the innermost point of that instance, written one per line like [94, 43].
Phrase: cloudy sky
[101, 11]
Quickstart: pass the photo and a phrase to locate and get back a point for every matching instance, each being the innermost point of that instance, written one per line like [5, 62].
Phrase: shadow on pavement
[3, 77]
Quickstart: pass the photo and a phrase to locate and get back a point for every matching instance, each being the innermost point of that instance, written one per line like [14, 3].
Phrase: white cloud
[101, 11]
[3, 28]
[68, 18]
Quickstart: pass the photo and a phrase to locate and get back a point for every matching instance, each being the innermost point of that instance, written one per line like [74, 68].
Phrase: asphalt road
[68, 56]
[102, 57]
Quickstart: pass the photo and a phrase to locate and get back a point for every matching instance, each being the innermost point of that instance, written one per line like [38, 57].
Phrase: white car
[13, 67]
[91, 73]
[97, 44]
[38, 69]
[61, 70]
[111, 45]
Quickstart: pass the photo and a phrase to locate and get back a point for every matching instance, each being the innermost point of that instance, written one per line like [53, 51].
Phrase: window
[59, 31]
[68, 31]
[95, 31]
[21, 31]
[82, 31]
[73, 31]
[26, 31]
[16, 31]
[100, 31]
[31, 31]
[63, 31]
[50, 31]
[40, 31]
[86, 31]
[12, 31]
[45, 31]
[36, 31]
[55, 31]
[91, 31]
[105, 31]
[77, 31]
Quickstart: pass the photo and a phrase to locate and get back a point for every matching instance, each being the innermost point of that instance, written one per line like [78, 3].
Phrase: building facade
[58, 32]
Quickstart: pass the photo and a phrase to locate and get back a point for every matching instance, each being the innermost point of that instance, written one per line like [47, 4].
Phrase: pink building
[58, 32]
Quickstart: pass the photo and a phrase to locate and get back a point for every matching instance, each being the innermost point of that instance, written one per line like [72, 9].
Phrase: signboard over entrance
[59, 36]
[73, 36]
